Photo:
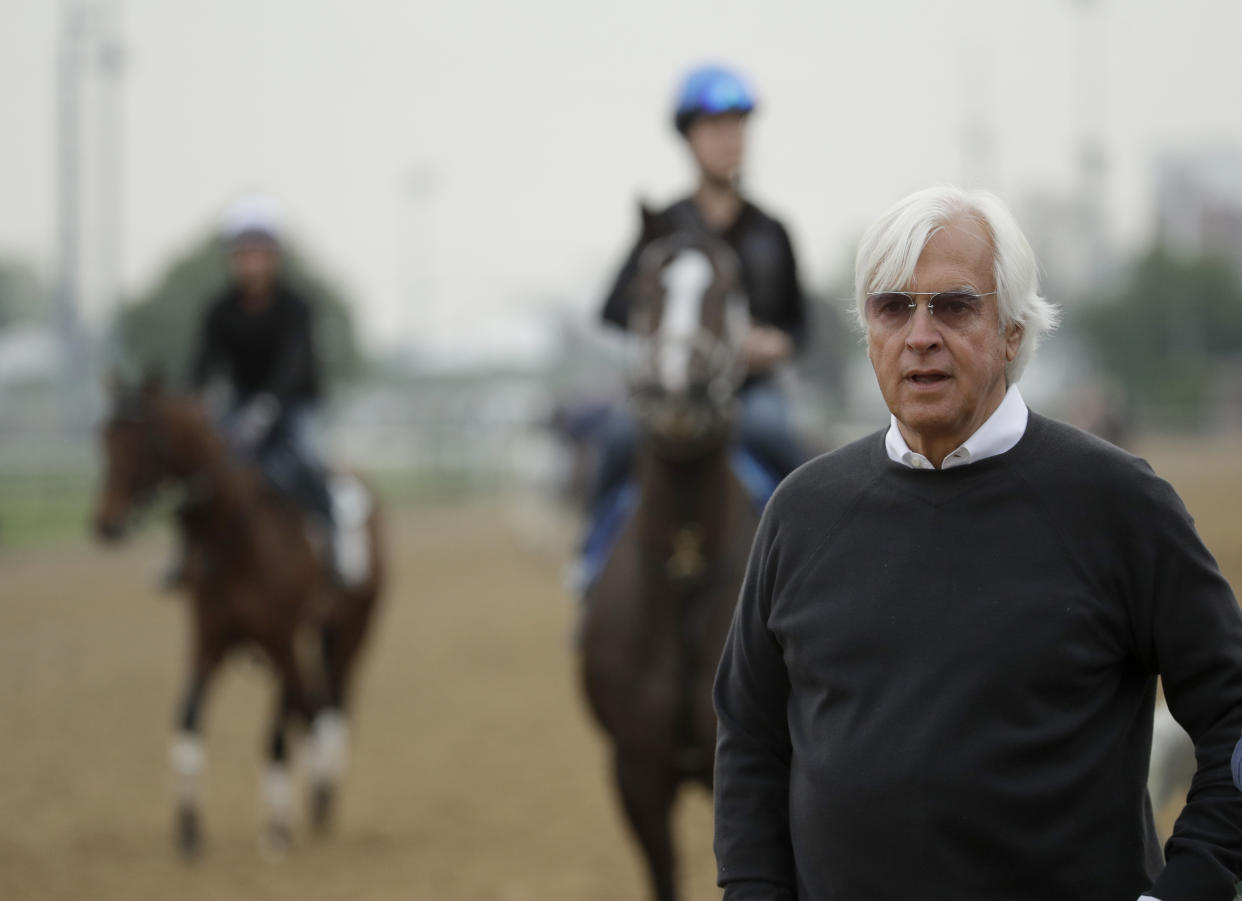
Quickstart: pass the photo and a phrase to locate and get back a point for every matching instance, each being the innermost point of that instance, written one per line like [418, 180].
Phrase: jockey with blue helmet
[711, 113]
[711, 91]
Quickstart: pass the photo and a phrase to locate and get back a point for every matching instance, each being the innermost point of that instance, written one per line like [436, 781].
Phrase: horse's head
[690, 316]
[144, 448]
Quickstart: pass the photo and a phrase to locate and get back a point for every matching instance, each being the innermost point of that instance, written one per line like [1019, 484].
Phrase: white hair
[890, 250]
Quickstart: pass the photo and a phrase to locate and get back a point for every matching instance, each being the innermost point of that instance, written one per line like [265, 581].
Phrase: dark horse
[655, 618]
[255, 580]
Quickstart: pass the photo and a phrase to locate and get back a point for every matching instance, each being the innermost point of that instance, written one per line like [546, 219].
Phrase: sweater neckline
[936, 479]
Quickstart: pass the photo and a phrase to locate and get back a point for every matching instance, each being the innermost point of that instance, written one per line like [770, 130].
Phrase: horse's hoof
[276, 841]
[189, 836]
[322, 805]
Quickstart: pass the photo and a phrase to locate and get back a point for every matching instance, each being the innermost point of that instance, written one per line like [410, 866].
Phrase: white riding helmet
[252, 216]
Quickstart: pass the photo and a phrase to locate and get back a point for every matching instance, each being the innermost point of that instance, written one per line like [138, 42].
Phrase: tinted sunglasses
[891, 310]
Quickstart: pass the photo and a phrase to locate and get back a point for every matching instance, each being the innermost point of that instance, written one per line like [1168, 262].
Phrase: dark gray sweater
[939, 684]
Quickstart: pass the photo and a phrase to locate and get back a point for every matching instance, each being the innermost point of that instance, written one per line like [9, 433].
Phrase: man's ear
[1013, 340]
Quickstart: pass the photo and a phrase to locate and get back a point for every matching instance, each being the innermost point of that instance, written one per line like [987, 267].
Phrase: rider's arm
[295, 362]
[789, 312]
[754, 855]
[207, 348]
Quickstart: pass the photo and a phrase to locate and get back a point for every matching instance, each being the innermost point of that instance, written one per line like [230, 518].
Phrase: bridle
[711, 398]
[155, 465]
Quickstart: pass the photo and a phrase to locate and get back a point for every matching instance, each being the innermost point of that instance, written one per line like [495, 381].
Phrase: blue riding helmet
[709, 90]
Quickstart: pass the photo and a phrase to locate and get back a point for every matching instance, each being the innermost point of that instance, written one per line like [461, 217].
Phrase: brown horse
[255, 580]
[655, 619]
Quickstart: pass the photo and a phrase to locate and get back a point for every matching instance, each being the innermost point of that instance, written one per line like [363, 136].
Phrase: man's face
[718, 144]
[254, 266]
[941, 382]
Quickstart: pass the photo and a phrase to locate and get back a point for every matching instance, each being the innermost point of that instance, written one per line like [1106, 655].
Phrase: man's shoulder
[1067, 460]
[220, 302]
[678, 207]
[1068, 447]
[291, 298]
[830, 477]
[753, 218]
[761, 214]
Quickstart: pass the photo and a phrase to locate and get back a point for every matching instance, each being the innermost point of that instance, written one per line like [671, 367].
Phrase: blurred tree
[1168, 331]
[21, 295]
[158, 328]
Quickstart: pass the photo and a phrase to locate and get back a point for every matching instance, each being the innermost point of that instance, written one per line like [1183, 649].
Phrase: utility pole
[89, 46]
[421, 185]
[109, 64]
[978, 132]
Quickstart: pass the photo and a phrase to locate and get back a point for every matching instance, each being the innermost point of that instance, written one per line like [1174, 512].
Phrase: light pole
[421, 185]
[109, 60]
[68, 182]
[88, 44]
[1092, 157]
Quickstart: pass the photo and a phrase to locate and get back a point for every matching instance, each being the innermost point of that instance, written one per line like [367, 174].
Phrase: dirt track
[476, 774]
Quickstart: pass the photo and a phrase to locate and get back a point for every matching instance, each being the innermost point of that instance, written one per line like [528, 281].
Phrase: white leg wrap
[278, 792]
[351, 543]
[329, 746]
[188, 760]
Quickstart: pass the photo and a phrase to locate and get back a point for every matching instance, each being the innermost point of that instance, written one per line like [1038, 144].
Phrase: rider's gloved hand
[764, 347]
[254, 421]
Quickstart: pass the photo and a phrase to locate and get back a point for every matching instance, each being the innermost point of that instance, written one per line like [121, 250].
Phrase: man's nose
[923, 333]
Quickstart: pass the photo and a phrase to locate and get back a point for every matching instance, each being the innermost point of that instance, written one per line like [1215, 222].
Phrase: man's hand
[254, 421]
[764, 347]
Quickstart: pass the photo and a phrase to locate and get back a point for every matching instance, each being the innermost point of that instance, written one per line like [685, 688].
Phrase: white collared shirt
[1002, 430]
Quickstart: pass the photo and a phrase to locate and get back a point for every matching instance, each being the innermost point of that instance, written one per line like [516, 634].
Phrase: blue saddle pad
[614, 509]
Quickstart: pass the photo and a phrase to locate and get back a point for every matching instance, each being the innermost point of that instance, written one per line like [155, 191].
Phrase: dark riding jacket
[769, 270]
[267, 351]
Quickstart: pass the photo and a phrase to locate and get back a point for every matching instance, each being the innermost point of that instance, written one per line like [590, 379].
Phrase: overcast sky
[541, 122]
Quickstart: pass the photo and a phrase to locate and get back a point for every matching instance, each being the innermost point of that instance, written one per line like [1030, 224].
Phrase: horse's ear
[654, 225]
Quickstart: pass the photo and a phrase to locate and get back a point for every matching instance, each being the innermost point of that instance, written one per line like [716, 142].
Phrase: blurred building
[1199, 205]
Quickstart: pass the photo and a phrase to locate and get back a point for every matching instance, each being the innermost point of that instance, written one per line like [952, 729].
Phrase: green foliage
[22, 298]
[159, 327]
[1167, 331]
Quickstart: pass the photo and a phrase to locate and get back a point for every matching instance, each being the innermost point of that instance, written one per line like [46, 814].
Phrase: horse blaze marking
[685, 281]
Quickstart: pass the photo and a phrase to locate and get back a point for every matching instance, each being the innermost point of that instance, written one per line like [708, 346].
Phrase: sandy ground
[476, 773]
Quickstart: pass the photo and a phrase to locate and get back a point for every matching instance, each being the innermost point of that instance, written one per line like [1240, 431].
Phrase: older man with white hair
[940, 677]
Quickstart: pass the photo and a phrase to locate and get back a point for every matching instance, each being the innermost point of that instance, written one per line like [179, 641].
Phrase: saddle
[335, 507]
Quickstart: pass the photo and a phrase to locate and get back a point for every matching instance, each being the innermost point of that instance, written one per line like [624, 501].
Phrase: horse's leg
[292, 699]
[339, 646]
[647, 790]
[187, 755]
[277, 782]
